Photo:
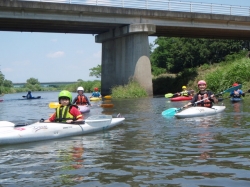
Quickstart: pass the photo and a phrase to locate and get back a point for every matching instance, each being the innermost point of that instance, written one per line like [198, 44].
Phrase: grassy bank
[221, 76]
[218, 76]
[130, 90]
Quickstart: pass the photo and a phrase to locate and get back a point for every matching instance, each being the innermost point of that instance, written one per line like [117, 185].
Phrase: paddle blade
[169, 112]
[107, 105]
[169, 95]
[232, 89]
[107, 97]
[54, 104]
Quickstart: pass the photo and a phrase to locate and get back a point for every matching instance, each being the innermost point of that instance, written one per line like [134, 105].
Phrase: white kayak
[84, 108]
[12, 134]
[199, 111]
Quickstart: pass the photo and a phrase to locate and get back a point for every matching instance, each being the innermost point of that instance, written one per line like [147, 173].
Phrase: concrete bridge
[124, 31]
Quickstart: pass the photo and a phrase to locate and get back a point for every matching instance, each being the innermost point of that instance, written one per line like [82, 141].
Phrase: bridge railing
[168, 5]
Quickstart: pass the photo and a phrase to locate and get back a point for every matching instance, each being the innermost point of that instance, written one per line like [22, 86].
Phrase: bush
[131, 90]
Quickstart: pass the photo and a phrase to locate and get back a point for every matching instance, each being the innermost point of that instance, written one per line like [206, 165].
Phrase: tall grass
[223, 76]
[131, 90]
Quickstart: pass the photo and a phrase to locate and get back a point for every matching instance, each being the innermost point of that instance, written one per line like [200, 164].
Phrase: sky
[51, 57]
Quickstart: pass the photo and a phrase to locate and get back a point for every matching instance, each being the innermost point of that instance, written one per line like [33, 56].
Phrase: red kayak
[181, 98]
[1, 100]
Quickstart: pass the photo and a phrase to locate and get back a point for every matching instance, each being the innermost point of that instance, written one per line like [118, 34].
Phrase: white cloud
[55, 54]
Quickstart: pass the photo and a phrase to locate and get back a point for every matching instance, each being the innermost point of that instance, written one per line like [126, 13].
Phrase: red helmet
[96, 89]
[235, 84]
[202, 82]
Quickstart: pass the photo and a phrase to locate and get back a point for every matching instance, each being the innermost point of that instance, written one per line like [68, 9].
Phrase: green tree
[176, 54]
[1, 78]
[96, 71]
[33, 84]
[7, 83]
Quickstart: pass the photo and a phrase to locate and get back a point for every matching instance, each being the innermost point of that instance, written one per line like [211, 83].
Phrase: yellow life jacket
[62, 113]
[184, 93]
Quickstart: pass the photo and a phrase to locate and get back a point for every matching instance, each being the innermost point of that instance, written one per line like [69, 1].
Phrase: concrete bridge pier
[125, 56]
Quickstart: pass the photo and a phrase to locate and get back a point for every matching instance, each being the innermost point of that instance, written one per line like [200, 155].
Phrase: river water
[146, 150]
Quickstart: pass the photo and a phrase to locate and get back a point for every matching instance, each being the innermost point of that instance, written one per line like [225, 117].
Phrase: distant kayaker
[96, 93]
[66, 112]
[29, 96]
[81, 99]
[207, 95]
[237, 93]
[184, 92]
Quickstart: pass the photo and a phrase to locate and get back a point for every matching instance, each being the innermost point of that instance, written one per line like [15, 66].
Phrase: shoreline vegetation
[219, 76]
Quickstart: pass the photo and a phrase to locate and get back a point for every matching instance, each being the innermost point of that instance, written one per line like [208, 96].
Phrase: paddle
[56, 105]
[73, 122]
[172, 111]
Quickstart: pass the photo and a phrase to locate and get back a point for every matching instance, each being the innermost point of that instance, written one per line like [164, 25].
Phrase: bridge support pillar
[125, 56]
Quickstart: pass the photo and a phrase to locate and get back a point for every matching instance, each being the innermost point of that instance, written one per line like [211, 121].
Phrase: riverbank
[219, 76]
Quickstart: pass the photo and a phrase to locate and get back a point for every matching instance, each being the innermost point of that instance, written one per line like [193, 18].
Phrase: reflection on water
[147, 150]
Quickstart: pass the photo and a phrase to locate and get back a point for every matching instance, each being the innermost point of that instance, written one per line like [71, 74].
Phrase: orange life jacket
[81, 100]
[206, 102]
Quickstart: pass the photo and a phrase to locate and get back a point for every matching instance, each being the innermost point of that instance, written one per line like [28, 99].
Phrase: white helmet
[80, 89]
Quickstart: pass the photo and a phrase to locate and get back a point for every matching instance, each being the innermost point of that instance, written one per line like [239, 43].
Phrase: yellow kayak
[95, 99]
[107, 97]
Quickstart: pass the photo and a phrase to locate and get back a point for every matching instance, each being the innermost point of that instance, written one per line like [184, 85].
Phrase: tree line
[174, 55]
[5, 85]
[33, 84]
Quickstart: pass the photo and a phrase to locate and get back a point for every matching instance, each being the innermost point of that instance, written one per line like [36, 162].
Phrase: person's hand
[69, 121]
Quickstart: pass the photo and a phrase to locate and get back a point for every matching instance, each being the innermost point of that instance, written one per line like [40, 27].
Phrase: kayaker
[237, 93]
[203, 94]
[66, 112]
[81, 99]
[96, 93]
[29, 96]
[184, 92]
